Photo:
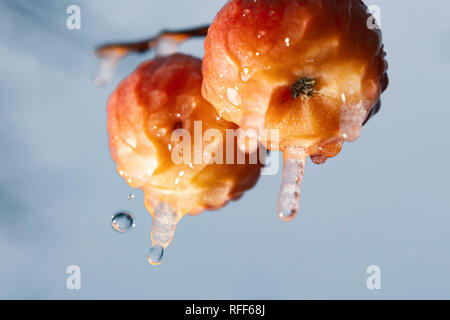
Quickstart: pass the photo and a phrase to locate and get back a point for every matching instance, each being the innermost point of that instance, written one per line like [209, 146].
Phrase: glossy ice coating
[163, 95]
[256, 50]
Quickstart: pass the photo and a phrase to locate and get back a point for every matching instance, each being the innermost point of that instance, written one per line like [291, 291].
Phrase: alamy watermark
[235, 147]
[73, 281]
[374, 280]
[73, 22]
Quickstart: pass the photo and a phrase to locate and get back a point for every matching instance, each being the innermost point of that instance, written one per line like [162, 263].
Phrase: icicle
[165, 220]
[165, 46]
[351, 120]
[108, 64]
[293, 170]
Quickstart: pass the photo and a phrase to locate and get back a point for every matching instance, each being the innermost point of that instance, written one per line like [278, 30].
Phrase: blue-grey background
[384, 200]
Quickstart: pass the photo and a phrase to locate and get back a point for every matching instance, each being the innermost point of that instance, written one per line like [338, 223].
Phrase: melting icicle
[108, 64]
[166, 46]
[293, 170]
[165, 221]
[351, 119]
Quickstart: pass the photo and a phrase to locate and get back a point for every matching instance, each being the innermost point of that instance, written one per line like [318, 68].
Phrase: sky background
[383, 201]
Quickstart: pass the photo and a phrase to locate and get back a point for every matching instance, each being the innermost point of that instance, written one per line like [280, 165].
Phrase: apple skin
[159, 97]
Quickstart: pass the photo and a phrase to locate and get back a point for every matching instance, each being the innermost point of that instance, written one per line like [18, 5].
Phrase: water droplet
[245, 74]
[318, 158]
[130, 196]
[160, 132]
[287, 41]
[233, 96]
[123, 221]
[155, 254]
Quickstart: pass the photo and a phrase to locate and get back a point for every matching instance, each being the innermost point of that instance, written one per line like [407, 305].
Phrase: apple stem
[303, 87]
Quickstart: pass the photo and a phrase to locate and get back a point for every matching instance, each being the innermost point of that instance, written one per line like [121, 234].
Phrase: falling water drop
[155, 254]
[130, 196]
[123, 221]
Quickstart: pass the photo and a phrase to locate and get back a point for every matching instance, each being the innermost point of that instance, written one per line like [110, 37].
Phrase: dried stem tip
[304, 87]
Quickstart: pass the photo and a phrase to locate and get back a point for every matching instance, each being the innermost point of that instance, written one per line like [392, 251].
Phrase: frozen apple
[154, 117]
[312, 69]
